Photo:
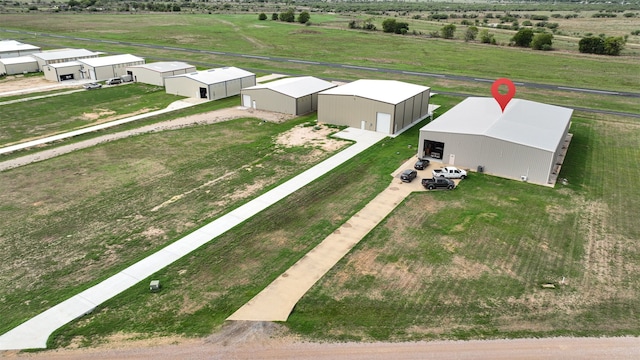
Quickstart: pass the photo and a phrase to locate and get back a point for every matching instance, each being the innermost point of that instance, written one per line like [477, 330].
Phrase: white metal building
[18, 65]
[294, 96]
[527, 142]
[62, 56]
[386, 106]
[212, 84]
[105, 67]
[154, 73]
[96, 69]
[12, 48]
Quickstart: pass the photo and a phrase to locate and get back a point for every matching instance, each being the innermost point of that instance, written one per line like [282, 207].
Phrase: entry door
[363, 125]
[452, 159]
[246, 101]
[383, 123]
[203, 93]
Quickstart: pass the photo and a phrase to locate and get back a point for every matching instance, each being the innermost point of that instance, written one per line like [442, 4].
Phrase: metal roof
[297, 86]
[64, 54]
[18, 60]
[65, 64]
[111, 60]
[213, 76]
[163, 66]
[12, 45]
[388, 91]
[523, 122]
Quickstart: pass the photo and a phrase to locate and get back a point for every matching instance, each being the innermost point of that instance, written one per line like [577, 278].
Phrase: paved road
[569, 88]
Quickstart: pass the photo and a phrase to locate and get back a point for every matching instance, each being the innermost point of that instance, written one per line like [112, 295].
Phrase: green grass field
[447, 265]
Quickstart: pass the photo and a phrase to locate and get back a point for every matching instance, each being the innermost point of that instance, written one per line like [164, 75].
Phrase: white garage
[210, 84]
[106, 67]
[13, 48]
[295, 96]
[386, 106]
[155, 73]
[18, 65]
[527, 142]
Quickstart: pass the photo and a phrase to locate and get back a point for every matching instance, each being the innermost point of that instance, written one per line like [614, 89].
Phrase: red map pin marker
[503, 100]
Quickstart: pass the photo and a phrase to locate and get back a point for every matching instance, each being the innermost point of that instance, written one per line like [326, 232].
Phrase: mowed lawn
[73, 220]
[37, 118]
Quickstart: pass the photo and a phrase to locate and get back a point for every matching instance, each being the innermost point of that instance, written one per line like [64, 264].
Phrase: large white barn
[13, 48]
[18, 65]
[527, 142]
[386, 106]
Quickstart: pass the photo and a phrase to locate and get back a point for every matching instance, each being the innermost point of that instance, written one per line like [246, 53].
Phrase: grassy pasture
[49, 116]
[70, 221]
[446, 265]
[245, 34]
[470, 264]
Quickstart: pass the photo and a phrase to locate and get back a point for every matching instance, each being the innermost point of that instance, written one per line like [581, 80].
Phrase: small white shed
[212, 84]
[155, 73]
[18, 65]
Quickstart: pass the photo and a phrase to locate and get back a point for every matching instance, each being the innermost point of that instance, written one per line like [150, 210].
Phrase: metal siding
[12, 69]
[398, 117]
[147, 76]
[217, 91]
[269, 100]
[248, 81]
[350, 110]
[304, 105]
[417, 105]
[408, 113]
[233, 87]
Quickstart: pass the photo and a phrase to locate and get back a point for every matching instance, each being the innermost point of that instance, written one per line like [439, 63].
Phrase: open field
[46, 117]
[245, 34]
[462, 264]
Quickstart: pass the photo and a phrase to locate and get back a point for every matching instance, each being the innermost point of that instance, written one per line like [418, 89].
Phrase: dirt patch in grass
[311, 136]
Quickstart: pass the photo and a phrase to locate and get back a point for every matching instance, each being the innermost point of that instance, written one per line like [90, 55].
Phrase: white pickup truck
[450, 172]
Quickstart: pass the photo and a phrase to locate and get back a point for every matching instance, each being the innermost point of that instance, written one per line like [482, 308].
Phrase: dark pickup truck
[438, 183]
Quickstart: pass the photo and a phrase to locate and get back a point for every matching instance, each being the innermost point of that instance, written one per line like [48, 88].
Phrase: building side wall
[269, 100]
[248, 81]
[497, 157]
[183, 86]
[12, 69]
[54, 74]
[351, 110]
[147, 76]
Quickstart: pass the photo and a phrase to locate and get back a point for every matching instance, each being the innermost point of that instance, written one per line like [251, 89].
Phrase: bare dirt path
[204, 118]
[264, 340]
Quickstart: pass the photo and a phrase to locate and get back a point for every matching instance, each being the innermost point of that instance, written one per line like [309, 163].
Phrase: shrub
[393, 26]
[542, 42]
[601, 45]
[304, 17]
[527, 23]
[262, 16]
[274, 16]
[287, 16]
[471, 33]
[486, 37]
[439, 16]
[539, 17]
[448, 31]
[523, 38]
[635, 32]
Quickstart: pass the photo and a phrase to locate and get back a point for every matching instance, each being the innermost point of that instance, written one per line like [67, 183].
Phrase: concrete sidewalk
[35, 332]
[278, 299]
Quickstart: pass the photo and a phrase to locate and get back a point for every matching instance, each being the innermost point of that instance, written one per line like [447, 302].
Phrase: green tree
[542, 41]
[274, 16]
[613, 45]
[448, 31]
[471, 33]
[304, 17]
[523, 38]
[591, 45]
[389, 25]
[288, 16]
[262, 16]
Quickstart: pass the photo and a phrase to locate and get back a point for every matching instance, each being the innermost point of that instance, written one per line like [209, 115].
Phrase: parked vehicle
[450, 172]
[114, 81]
[438, 183]
[91, 86]
[126, 78]
[421, 164]
[408, 175]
